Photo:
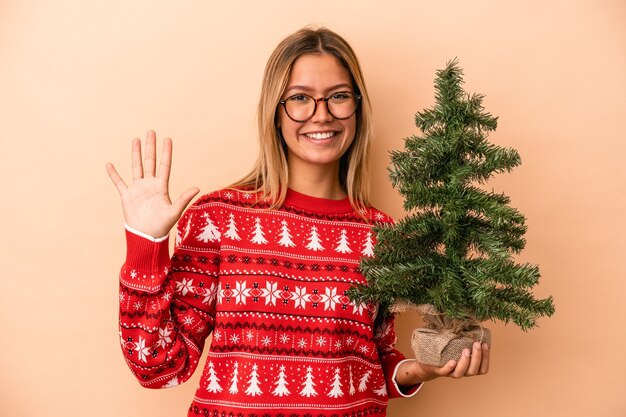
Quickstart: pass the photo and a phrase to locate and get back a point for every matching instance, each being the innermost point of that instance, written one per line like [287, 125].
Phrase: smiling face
[319, 142]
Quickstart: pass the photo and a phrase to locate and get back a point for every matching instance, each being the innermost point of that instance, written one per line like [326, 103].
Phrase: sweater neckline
[317, 204]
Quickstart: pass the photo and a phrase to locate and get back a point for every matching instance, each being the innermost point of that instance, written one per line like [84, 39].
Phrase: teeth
[324, 135]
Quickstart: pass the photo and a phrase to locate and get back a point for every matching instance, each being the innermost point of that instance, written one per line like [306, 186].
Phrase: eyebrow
[307, 88]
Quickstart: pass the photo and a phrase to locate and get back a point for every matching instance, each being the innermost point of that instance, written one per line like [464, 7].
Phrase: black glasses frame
[357, 97]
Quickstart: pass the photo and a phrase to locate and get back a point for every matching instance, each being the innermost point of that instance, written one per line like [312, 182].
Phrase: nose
[321, 113]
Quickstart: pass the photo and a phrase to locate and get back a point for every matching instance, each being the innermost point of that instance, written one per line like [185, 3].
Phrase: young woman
[264, 265]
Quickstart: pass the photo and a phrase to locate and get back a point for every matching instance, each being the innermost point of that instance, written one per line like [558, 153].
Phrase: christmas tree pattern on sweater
[270, 285]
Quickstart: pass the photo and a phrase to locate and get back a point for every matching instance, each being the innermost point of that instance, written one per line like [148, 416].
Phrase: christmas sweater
[270, 285]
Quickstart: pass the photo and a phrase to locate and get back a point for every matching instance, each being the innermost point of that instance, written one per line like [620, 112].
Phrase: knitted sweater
[270, 285]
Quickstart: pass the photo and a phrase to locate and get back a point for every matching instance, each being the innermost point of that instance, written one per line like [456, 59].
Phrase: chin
[321, 161]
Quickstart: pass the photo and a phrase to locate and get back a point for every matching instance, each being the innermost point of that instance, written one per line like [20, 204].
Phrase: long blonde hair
[270, 174]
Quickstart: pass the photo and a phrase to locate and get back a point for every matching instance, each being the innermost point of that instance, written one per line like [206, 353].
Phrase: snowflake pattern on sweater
[270, 285]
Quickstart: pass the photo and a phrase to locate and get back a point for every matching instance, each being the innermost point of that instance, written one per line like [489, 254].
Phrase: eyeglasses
[340, 105]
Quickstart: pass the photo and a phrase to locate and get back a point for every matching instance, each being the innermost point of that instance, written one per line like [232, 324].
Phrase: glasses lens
[342, 105]
[300, 107]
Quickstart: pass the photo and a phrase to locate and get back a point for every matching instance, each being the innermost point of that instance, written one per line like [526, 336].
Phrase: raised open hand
[146, 203]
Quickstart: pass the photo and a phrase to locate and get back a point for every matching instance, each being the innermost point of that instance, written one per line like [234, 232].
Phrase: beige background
[79, 79]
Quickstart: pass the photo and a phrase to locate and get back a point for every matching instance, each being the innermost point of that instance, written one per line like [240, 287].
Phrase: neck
[316, 181]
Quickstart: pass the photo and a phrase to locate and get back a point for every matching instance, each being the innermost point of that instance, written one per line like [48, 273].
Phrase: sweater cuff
[407, 391]
[145, 235]
[147, 255]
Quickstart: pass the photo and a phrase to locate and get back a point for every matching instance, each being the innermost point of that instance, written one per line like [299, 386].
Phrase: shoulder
[377, 217]
[230, 197]
[217, 207]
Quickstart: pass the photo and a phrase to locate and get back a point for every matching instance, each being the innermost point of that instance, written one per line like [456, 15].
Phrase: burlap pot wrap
[443, 339]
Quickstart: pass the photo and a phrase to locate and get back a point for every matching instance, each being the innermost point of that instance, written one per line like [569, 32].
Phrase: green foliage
[454, 248]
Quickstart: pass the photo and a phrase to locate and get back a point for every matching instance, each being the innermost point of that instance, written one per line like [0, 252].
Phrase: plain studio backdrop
[79, 80]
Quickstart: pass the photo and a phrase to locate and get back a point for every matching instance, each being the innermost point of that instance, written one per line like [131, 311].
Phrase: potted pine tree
[451, 257]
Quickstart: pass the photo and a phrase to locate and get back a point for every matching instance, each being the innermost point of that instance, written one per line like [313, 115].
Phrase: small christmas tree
[368, 246]
[342, 243]
[234, 389]
[231, 233]
[210, 232]
[214, 385]
[335, 387]
[314, 240]
[253, 382]
[308, 386]
[364, 380]
[259, 236]
[285, 236]
[453, 251]
[281, 383]
[351, 390]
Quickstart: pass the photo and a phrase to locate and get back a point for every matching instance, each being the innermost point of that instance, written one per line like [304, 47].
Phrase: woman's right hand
[146, 203]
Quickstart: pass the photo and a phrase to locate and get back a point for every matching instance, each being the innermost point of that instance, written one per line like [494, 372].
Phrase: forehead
[318, 72]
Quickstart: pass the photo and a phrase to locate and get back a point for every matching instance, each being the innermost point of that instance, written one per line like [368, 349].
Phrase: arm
[162, 329]
[167, 307]
[392, 360]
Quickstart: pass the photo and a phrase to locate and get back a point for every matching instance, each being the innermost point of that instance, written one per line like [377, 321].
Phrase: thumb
[183, 201]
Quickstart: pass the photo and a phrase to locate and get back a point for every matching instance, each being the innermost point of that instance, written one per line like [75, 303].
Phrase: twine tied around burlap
[444, 338]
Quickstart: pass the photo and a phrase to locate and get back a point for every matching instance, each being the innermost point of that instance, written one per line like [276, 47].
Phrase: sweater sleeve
[385, 338]
[167, 306]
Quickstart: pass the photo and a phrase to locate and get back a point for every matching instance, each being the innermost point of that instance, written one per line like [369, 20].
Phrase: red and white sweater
[270, 285]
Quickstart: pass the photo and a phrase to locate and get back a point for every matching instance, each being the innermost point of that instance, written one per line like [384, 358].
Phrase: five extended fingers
[146, 167]
[147, 201]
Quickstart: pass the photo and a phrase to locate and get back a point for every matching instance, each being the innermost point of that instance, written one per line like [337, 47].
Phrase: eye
[303, 98]
[340, 96]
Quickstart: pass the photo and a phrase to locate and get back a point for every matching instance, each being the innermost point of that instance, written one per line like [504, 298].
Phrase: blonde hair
[270, 174]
